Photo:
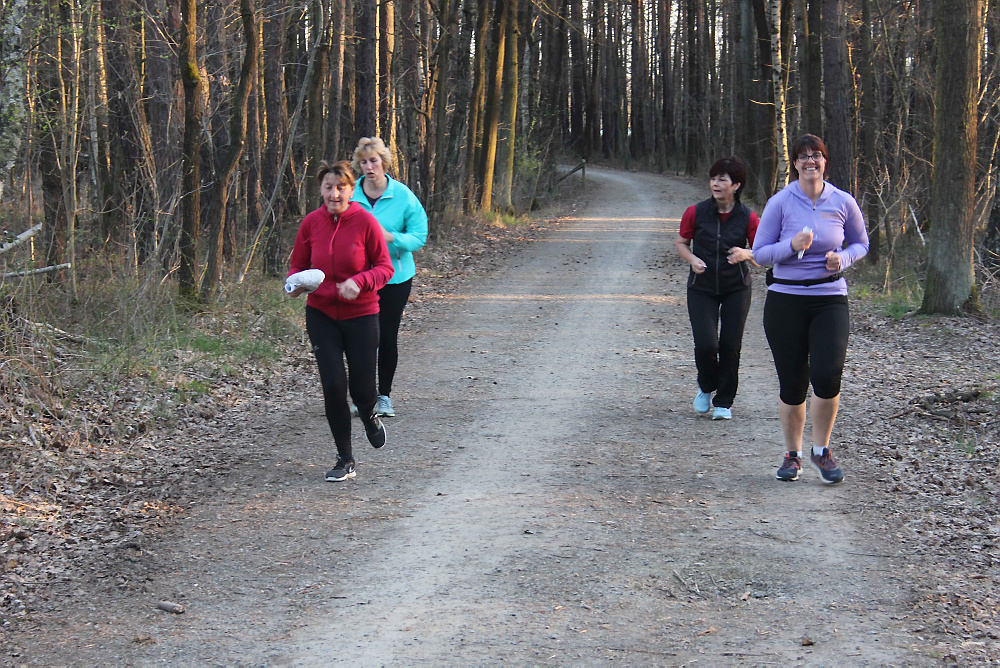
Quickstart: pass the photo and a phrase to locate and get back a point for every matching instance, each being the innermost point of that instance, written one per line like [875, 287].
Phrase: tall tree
[511, 79]
[237, 138]
[950, 286]
[473, 142]
[778, 85]
[838, 96]
[191, 169]
[366, 106]
[491, 118]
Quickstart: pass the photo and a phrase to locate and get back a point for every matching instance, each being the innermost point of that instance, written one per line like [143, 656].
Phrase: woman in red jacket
[346, 243]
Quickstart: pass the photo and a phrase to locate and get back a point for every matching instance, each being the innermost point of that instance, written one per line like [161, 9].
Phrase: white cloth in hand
[308, 279]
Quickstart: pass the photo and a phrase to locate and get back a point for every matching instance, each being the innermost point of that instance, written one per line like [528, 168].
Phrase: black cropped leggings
[391, 301]
[332, 340]
[808, 339]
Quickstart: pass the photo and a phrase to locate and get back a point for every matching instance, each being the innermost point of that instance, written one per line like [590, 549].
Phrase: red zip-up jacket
[350, 245]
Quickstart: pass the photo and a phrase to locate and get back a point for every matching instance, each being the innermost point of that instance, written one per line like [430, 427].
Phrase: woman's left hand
[348, 289]
[387, 235]
[832, 261]
[737, 255]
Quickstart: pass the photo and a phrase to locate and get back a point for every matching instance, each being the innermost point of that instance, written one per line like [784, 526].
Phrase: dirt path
[547, 496]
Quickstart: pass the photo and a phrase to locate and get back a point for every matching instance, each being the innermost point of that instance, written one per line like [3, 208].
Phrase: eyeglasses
[806, 157]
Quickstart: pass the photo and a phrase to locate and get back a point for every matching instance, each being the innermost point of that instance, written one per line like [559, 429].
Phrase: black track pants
[391, 301]
[717, 322]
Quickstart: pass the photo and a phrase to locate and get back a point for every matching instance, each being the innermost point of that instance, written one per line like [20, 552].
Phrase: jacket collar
[389, 188]
[828, 190]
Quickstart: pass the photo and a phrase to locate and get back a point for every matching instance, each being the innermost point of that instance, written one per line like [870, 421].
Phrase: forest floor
[547, 494]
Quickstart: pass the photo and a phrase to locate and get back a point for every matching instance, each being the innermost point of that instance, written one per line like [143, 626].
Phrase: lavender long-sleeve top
[837, 225]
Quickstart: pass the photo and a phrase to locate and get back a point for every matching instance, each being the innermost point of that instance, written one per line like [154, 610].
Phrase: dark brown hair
[734, 167]
[341, 169]
[808, 143]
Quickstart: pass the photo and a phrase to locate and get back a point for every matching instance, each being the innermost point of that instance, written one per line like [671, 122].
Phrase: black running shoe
[375, 431]
[342, 471]
[829, 472]
[790, 468]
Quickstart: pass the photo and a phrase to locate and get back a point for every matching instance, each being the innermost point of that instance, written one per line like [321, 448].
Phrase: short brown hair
[341, 169]
[808, 143]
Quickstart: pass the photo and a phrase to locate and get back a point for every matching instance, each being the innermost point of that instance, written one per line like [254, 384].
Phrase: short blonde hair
[368, 145]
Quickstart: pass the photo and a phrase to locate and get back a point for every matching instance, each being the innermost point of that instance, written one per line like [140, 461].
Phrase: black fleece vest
[712, 241]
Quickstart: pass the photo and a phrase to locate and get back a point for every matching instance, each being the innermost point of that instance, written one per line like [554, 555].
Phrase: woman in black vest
[715, 238]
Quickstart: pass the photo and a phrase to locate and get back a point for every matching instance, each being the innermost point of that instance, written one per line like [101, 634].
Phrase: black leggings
[357, 338]
[717, 350]
[391, 301]
[808, 339]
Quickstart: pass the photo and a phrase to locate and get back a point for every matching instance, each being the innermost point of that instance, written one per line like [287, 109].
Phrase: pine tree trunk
[511, 77]
[950, 285]
[191, 165]
[838, 94]
[366, 109]
[491, 119]
[439, 159]
[473, 143]
[868, 176]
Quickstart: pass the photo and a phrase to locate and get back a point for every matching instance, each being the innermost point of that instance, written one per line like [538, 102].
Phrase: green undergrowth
[128, 332]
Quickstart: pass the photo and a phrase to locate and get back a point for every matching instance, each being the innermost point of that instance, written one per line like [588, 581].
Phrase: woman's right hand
[296, 292]
[698, 265]
[802, 241]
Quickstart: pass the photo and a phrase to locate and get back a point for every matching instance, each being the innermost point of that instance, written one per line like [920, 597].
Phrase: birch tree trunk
[777, 81]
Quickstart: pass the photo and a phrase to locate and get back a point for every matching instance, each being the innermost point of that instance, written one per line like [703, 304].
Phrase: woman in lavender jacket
[810, 232]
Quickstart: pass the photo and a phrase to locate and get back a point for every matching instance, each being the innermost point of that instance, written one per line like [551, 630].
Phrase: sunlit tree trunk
[511, 79]
[778, 85]
[950, 285]
[191, 153]
[491, 118]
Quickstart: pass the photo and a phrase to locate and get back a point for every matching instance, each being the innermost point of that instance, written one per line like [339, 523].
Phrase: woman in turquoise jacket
[404, 224]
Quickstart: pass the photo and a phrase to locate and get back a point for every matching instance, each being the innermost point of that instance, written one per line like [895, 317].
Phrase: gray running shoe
[342, 471]
[384, 407]
[790, 468]
[828, 470]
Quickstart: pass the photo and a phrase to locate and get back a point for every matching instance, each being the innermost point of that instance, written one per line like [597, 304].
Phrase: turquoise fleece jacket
[398, 211]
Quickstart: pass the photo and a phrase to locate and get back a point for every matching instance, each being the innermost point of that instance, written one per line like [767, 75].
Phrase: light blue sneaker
[721, 413]
[384, 407]
[703, 402]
